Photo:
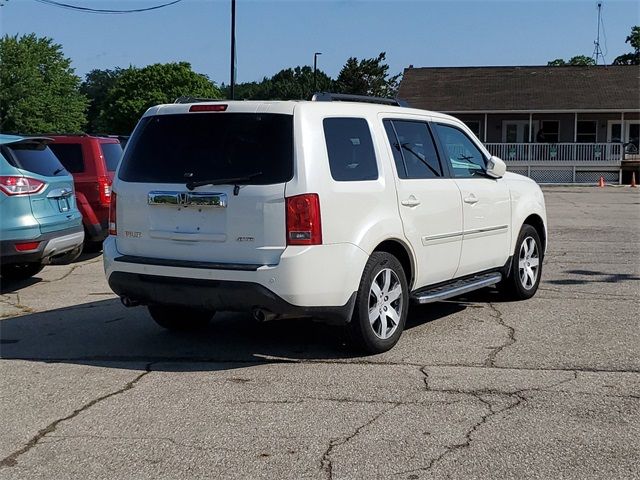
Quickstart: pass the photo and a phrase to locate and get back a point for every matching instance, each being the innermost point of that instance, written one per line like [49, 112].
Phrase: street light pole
[233, 49]
[315, 68]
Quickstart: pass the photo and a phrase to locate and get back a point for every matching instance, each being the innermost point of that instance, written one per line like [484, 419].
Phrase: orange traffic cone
[601, 182]
[633, 180]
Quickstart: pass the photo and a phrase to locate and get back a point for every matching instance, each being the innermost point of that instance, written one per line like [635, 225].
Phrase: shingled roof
[481, 89]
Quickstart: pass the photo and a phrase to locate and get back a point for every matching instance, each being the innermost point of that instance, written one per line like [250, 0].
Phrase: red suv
[92, 160]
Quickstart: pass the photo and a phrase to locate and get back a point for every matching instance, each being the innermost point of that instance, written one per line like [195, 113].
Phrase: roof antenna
[597, 51]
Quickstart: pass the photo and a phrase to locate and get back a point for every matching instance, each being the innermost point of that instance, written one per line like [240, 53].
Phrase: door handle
[471, 199]
[410, 202]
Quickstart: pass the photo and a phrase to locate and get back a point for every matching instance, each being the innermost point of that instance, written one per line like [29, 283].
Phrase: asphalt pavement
[477, 387]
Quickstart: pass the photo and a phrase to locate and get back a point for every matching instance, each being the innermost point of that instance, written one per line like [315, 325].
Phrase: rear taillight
[20, 185]
[26, 246]
[104, 187]
[113, 226]
[303, 220]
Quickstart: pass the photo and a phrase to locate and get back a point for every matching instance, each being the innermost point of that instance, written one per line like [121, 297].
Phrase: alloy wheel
[385, 303]
[528, 263]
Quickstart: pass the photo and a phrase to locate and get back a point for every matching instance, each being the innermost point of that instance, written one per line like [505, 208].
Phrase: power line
[104, 11]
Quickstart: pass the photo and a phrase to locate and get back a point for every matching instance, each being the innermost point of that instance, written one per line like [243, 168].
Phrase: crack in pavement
[491, 358]
[268, 359]
[326, 464]
[517, 396]
[17, 304]
[73, 268]
[12, 459]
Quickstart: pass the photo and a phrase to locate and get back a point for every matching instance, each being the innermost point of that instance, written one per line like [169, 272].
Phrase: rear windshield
[70, 155]
[210, 146]
[33, 157]
[112, 153]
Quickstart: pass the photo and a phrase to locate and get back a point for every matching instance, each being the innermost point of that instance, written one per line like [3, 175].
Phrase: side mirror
[496, 168]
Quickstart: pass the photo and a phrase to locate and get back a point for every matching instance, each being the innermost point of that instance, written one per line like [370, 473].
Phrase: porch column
[575, 141]
[530, 132]
[622, 127]
[485, 128]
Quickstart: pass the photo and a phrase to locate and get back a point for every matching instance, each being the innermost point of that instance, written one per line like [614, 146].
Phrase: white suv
[343, 208]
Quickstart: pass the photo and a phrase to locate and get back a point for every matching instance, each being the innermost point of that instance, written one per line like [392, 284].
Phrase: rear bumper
[218, 295]
[307, 279]
[52, 245]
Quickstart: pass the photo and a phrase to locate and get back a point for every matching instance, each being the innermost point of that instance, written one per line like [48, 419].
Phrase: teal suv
[39, 221]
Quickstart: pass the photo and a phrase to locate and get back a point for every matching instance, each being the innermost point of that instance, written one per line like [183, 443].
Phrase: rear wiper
[223, 181]
[57, 171]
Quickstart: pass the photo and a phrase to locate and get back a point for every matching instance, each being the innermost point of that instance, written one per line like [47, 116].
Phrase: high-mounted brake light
[113, 226]
[303, 220]
[208, 108]
[104, 187]
[12, 185]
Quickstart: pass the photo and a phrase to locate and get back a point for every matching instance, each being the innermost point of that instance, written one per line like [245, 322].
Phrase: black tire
[180, 318]
[91, 247]
[367, 334]
[20, 271]
[514, 287]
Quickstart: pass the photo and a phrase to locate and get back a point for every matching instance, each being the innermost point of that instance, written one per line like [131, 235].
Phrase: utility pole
[233, 50]
[597, 51]
[315, 68]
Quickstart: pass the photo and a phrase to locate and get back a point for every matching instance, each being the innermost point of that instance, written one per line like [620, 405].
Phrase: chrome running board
[455, 288]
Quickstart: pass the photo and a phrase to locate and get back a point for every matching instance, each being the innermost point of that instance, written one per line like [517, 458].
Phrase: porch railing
[558, 153]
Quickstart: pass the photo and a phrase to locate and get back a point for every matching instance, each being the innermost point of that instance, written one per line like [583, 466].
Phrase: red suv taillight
[113, 226]
[303, 220]
[104, 187]
[12, 185]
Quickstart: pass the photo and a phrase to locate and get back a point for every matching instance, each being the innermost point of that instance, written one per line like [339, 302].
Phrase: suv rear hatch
[54, 205]
[239, 220]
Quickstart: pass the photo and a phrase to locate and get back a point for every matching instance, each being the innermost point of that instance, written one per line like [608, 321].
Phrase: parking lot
[476, 388]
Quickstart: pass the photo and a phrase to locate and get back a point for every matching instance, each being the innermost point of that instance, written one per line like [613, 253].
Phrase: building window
[474, 126]
[587, 131]
[551, 131]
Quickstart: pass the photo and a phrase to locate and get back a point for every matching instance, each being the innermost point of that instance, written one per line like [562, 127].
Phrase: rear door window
[350, 149]
[112, 153]
[70, 155]
[210, 146]
[34, 157]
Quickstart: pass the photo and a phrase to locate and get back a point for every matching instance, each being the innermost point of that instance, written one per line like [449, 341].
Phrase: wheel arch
[401, 251]
[536, 222]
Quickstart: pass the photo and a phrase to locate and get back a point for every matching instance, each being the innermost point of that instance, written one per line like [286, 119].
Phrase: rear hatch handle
[60, 193]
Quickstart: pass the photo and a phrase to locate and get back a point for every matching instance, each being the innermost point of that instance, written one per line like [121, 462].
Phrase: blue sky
[275, 34]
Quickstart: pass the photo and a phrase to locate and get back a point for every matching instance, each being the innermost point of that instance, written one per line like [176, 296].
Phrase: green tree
[632, 58]
[96, 87]
[297, 83]
[369, 76]
[137, 89]
[288, 84]
[39, 91]
[578, 60]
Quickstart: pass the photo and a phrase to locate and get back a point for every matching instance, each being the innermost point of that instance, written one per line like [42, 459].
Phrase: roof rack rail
[344, 97]
[189, 99]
